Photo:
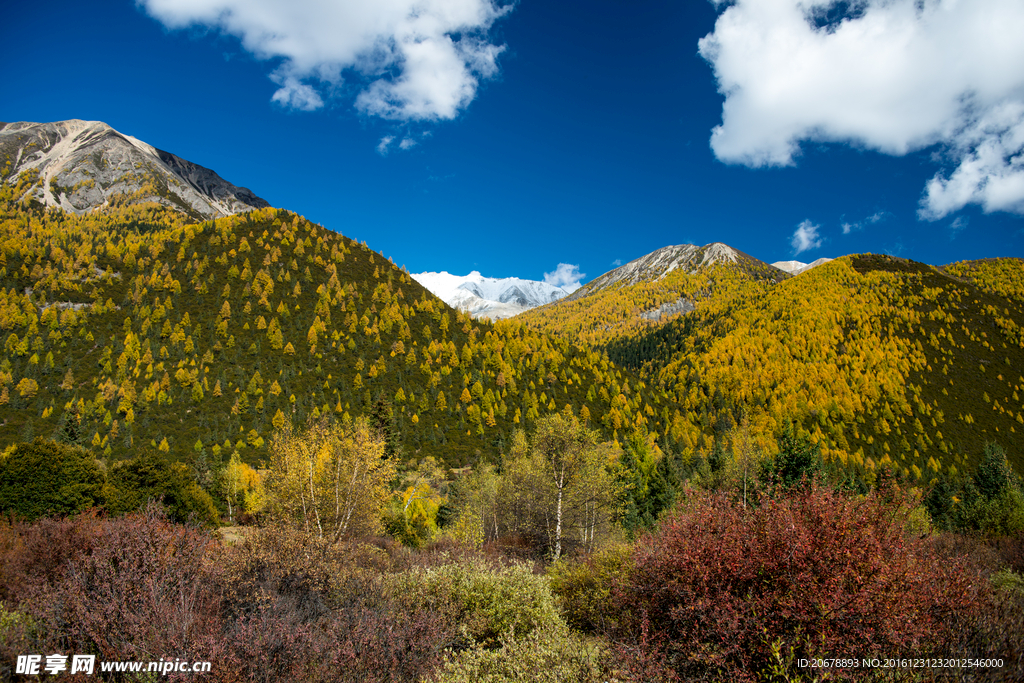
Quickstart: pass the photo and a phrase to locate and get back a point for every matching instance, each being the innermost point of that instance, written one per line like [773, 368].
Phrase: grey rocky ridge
[659, 263]
[81, 165]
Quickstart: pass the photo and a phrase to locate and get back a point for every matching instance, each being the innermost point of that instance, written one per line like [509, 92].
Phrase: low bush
[549, 654]
[283, 605]
[723, 592]
[120, 588]
[583, 587]
[487, 602]
[371, 641]
[298, 607]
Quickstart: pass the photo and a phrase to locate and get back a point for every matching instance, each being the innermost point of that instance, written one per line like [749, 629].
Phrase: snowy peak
[488, 297]
[82, 164]
[797, 267]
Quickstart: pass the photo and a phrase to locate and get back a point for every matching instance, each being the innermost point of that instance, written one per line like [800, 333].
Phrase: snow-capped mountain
[797, 267]
[81, 164]
[488, 297]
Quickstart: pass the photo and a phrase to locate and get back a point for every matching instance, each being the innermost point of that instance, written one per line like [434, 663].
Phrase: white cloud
[296, 95]
[617, 262]
[958, 224]
[382, 146]
[991, 167]
[566, 276]
[416, 59]
[805, 237]
[890, 75]
[876, 217]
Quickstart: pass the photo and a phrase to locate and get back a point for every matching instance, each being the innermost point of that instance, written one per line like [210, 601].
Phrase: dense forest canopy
[880, 360]
[156, 332]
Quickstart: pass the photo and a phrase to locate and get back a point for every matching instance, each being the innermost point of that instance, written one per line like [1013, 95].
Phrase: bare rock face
[678, 306]
[81, 165]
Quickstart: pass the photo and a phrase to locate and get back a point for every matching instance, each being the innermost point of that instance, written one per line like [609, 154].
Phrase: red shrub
[282, 606]
[720, 591]
[357, 644]
[121, 588]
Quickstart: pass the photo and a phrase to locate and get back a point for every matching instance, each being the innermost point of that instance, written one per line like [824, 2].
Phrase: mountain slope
[488, 297]
[190, 338]
[651, 290]
[880, 360]
[81, 165]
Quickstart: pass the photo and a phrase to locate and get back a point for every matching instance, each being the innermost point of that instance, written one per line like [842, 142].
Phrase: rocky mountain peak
[661, 262]
[82, 164]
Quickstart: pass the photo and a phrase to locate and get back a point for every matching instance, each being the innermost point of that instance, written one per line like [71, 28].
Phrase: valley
[300, 449]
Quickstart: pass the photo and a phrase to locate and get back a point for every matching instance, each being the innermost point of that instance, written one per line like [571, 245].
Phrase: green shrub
[583, 588]
[134, 483]
[19, 634]
[47, 478]
[488, 602]
[551, 654]
[1008, 581]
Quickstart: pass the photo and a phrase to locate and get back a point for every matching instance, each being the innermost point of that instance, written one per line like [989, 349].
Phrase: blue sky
[549, 132]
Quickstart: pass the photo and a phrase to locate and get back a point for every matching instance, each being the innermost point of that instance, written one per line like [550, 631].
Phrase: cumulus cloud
[617, 262]
[990, 170]
[876, 217]
[805, 237]
[566, 276]
[890, 75]
[413, 59]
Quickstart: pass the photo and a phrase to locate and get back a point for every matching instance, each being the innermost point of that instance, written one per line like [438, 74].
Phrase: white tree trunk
[558, 521]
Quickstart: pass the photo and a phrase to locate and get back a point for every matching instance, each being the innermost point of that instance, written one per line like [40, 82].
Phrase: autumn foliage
[283, 605]
[724, 592]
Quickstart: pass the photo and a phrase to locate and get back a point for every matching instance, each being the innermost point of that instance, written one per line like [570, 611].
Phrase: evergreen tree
[799, 459]
[716, 461]
[382, 421]
[994, 474]
[69, 429]
[646, 490]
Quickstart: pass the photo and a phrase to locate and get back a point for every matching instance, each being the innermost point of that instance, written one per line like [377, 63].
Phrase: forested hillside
[154, 332]
[878, 359]
[707, 473]
[600, 313]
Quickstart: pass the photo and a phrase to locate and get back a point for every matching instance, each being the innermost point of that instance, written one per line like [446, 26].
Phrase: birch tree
[331, 479]
[569, 471]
